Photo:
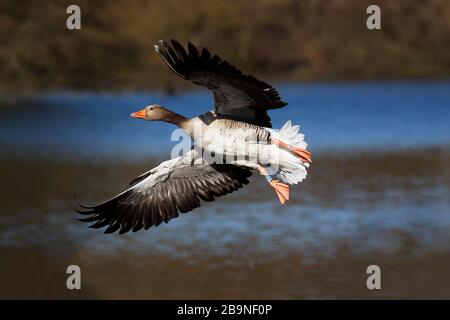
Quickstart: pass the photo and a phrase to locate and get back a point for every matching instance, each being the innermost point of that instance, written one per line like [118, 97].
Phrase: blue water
[357, 115]
[392, 210]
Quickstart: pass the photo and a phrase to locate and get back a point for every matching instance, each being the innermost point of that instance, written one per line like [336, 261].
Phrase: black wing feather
[236, 95]
[180, 192]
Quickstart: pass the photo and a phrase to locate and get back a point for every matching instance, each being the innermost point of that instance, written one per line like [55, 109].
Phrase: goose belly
[232, 150]
[236, 142]
[249, 146]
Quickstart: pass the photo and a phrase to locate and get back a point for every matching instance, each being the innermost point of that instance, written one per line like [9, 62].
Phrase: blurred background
[374, 105]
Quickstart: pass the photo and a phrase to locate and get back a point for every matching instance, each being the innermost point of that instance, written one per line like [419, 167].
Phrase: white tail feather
[294, 170]
[289, 134]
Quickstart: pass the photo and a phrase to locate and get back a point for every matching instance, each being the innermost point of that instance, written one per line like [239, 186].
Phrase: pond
[376, 193]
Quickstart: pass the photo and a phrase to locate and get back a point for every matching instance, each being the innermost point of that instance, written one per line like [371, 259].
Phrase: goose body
[228, 142]
[251, 146]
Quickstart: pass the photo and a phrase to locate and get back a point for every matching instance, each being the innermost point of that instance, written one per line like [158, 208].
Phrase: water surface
[377, 193]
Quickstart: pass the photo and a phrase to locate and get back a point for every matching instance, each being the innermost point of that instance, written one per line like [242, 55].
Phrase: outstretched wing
[236, 95]
[160, 194]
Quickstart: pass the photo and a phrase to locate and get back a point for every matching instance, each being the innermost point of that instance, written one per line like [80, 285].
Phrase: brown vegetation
[278, 39]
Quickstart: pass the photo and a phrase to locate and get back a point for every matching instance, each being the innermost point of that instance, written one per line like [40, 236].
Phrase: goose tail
[292, 169]
[290, 135]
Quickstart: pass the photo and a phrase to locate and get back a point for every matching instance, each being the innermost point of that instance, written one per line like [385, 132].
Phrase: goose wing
[175, 186]
[236, 95]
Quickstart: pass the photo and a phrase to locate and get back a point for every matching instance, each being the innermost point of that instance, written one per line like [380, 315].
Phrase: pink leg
[303, 154]
[281, 189]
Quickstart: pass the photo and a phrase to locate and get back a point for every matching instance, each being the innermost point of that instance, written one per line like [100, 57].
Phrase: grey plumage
[160, 197]
[241, 103]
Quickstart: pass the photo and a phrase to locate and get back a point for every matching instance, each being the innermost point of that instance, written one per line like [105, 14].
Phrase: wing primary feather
[236, 95]
[163, 195]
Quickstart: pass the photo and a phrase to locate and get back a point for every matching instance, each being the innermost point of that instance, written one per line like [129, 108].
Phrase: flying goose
[237, 134]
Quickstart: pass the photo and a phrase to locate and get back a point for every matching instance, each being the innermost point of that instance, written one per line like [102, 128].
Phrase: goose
[237, 135]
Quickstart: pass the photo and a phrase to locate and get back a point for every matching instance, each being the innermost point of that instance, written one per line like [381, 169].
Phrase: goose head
[152, 112]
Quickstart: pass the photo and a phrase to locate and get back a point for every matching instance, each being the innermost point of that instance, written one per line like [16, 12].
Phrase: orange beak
[141, 114]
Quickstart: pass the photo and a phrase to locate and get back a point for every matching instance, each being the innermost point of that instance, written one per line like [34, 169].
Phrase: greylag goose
[228, 142]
